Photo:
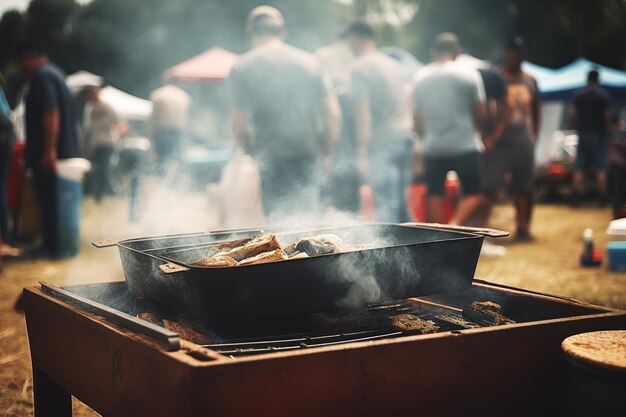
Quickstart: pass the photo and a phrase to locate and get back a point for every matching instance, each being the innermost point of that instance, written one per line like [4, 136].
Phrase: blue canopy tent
[557, 86]
[566, 80]
[540, 73]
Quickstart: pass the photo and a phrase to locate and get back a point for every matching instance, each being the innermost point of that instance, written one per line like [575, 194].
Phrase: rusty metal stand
[50, 399]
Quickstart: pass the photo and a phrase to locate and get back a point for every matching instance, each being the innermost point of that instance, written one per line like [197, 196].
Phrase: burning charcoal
[266, 242]
[411, 323]
[320, 245]
[486, 313]
[150, 318]
[275, 255]
[186, 332]
[217, 261]
[457, 321]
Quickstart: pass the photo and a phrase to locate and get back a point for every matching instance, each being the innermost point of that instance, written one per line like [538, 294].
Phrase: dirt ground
[548, 265]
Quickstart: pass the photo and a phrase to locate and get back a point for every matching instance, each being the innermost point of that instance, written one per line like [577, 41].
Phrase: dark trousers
[101, 172]
[47, 194]
[6, 152]
[389, 176]
[168, 147]
[290, 186]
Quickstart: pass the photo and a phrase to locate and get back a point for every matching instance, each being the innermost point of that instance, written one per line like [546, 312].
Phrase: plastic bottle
[590, 255]
[588, 243]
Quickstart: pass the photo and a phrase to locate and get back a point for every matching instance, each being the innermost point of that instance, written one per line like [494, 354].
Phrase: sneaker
[523, 235]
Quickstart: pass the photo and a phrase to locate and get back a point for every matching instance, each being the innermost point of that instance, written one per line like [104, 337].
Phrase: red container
[417, 200]
[16, 173]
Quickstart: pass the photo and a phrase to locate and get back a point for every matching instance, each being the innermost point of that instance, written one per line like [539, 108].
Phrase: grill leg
[50, 399]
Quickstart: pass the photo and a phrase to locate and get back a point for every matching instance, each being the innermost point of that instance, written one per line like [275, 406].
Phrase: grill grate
[336, 328]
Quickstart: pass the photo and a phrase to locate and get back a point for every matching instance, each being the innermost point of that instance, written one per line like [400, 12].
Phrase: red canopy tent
[213, 65]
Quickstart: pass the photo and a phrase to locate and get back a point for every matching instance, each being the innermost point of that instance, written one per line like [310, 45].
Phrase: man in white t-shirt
[104, 131]
[449, 106]
[169, 121]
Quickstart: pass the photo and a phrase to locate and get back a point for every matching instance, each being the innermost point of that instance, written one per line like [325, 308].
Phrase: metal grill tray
[407, 261]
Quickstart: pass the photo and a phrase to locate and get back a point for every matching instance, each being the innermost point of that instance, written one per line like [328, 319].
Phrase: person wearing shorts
[511, 148]
[591, 112]
[448, 110]
[517, 160]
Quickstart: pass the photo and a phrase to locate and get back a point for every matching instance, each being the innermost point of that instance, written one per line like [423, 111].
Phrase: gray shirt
[379, 80]
[282, 88]
[445, 93]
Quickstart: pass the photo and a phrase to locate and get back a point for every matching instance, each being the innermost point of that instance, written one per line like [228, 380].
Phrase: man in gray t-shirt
[448, 111]
[285, 114]
[382, 123]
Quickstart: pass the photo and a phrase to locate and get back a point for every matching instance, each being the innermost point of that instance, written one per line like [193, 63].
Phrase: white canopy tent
[126, 106]
[81, 80]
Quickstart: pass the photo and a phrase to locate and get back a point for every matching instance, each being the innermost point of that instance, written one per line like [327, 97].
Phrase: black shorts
[470, 167]
[518, 159]
[592, 151]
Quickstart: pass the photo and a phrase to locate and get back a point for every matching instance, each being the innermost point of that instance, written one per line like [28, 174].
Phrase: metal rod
[485, 231]
[170, 339]
[432, 303]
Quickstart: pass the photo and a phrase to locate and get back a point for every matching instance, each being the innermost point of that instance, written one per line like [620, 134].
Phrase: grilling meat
[291, 250]
[273, 256]
[298, 255]
[320, 245]
[150, 318]
[266, 248]
[247, 248]
[486, 313]
[216, 261]
[186, 332]
[411, 323]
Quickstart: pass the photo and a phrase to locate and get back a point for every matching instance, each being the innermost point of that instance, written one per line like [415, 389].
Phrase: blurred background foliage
[131, 42]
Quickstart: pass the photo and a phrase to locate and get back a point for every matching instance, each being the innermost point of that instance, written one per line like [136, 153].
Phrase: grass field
[550, 265]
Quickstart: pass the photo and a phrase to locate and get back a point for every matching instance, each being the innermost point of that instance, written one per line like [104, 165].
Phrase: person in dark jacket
[50, 134]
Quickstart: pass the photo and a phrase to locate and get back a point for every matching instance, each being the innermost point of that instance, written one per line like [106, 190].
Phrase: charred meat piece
[486, 313]
[215, 262]
[150, 318]
[226, 246]
[320, 245]
[411, 323]
[266, 242]
[186, 332]
[457, 321]
[273, 256]
[291, 250]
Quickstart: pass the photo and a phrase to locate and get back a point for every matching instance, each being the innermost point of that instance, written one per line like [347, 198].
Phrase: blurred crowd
[343, 128]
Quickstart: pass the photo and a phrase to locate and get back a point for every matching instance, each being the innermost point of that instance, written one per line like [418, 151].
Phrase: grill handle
[104, 243]
[484, 231]
[169, 339]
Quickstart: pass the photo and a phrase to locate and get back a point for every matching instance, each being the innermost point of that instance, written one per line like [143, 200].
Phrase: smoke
[378, 270]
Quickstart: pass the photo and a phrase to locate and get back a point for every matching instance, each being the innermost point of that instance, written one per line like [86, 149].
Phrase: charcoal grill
[404, 261]
[86, 342]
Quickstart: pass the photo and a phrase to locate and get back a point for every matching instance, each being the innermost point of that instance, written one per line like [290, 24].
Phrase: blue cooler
[617, 256]
[70, 173]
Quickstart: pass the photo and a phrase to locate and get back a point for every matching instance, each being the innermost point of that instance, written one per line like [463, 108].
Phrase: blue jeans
[6, 152]
[389, 176]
